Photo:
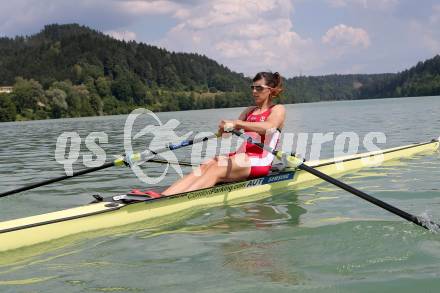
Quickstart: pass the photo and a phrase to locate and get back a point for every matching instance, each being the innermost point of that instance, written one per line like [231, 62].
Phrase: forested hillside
[335, 87]
[420, 80]
[72, 71]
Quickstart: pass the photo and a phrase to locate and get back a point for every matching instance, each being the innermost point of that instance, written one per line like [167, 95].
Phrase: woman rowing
[263, 122]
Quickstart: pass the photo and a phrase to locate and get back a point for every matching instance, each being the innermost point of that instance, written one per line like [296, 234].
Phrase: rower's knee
[216, 161]
[216, 170]
[206, 167]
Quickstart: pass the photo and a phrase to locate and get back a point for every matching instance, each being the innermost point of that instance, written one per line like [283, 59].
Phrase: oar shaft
[181, 163]
[171, 147]
[53, 180]
[297, 163]
[365, 196]
[119, 162]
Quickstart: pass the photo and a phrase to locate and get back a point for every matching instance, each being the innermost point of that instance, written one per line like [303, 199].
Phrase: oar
[181, 163]
[137, 157]
[297, 163]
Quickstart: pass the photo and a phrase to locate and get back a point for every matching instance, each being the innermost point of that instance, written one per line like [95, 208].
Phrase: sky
[293, 37]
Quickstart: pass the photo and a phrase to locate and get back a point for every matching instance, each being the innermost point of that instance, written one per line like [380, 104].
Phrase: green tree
[103, 86]
[7, 108]
[81, 94]
[28, 94]
[122, 90]
[111, 106]
[57, 101]
[97, 105]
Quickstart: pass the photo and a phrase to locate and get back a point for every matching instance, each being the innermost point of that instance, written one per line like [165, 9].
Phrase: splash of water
[430, 222]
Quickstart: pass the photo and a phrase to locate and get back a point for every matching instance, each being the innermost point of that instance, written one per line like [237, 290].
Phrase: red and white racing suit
[261, 160]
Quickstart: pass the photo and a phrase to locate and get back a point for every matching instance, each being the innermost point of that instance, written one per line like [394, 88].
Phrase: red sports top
[258, 156]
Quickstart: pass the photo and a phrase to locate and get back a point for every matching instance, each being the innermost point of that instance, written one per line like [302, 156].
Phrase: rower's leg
[184, 183]
[228, 169]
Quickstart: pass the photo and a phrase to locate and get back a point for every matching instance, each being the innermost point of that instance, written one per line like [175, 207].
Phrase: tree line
[73, 71]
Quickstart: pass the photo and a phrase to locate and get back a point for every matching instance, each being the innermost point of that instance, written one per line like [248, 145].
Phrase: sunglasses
[259, 88]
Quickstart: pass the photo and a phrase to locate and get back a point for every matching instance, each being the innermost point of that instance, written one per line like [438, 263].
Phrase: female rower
[263, 122]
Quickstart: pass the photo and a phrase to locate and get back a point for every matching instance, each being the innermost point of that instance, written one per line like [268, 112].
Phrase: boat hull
[41, 228]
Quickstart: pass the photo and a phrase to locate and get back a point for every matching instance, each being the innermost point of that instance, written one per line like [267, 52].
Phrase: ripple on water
[319, 240]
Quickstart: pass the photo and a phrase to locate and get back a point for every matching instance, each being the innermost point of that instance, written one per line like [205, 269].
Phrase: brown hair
[273, 80]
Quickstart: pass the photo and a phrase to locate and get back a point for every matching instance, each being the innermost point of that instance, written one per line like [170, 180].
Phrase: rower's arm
[245, 112]
[275, 120]
[242, 116]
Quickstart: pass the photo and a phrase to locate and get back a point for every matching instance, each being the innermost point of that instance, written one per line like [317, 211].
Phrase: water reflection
[260, 258]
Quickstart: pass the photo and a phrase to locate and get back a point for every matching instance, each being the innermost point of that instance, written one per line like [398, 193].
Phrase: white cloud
[122, 35]
[367, 4]
[346, 36]
[252, 31]
[431, 42]
[426, 36]
[245, 35]
[35, 14]
[145, 7]
[434, 19]
[224, 12]
[353, 69]
[9, 18]
[425, 33]
[250, 35]
[431, 34]
[337, 3]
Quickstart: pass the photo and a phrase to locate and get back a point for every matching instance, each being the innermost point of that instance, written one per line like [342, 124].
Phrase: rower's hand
[227, 125]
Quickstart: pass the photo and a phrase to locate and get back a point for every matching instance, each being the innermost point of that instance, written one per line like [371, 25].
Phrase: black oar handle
[407, 216]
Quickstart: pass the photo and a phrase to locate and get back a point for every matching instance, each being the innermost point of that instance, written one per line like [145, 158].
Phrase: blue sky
[308, 37]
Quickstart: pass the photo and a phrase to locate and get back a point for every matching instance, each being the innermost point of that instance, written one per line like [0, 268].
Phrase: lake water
[319, 239]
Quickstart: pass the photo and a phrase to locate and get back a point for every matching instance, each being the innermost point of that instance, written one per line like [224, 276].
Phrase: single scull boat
[123, 210]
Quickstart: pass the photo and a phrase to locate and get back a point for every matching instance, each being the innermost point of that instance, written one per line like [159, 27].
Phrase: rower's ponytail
[274, 80]
[278, 85]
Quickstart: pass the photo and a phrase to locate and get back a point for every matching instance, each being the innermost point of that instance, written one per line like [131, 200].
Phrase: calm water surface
[319, 239]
